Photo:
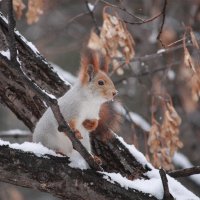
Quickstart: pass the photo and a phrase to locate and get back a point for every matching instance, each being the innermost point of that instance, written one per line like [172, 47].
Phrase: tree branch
[167, 195]
[53, 175]
[185, 172]
[163, 21]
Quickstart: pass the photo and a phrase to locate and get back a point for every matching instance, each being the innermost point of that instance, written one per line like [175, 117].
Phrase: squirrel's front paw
[78, 135]
[90, 124]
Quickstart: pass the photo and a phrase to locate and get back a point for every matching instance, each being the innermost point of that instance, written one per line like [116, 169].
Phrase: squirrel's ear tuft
[104, 64]
[89, 65]
[90, 72]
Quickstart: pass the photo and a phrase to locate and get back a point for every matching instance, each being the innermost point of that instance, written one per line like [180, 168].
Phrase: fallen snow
[36, 148]
[6, 53]
[137, 119]
[30, 44]
[48, 94]
[3, 17]
[153, 186]
[90, 6]
[182, 161]
[138, 155]
[77, 161]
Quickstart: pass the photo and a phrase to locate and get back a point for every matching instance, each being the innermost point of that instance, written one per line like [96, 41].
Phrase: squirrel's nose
[115, 93]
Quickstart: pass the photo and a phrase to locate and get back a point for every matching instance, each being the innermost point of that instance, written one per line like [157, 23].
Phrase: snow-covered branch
[53, 175]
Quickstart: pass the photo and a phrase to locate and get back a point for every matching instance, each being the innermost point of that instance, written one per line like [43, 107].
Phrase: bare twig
[145, 20]
[166, 195]
[124, 10]
[76, 17]
[142, 21]
[185, 172]
[162, 23]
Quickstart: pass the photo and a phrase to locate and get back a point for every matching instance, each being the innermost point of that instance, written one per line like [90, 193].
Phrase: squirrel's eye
[101, 82]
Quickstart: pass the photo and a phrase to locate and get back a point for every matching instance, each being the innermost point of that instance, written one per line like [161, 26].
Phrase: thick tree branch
[17, 96]
[53, 175]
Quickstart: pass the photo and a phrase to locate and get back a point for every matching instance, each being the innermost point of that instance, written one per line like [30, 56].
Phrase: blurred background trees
[162, 79]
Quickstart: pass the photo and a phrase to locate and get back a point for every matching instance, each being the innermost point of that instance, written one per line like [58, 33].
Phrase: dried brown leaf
[35, 9]
[18, 6]
[164, 138]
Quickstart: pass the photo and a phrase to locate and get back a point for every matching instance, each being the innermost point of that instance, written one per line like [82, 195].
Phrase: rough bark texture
[53, 175]
[14, 93]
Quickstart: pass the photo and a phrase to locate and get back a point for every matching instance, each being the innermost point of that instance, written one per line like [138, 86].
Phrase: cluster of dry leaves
[34, 9]
[114, 41]
[163, 138]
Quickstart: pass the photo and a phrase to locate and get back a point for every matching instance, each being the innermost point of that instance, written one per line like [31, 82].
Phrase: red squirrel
[80, 106]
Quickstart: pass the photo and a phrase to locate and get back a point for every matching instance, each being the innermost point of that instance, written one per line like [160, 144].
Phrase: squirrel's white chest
[89, 110]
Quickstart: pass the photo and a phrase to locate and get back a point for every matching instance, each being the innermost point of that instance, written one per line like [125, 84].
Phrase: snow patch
[37, 148]
[30, 44]
[152, 186]
[2, 16]
[50, 95]
[91, 6]
[6, 53]
[77, 161]
[138, 155]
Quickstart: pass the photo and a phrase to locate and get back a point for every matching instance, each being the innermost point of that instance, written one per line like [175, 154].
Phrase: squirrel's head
[93, 76]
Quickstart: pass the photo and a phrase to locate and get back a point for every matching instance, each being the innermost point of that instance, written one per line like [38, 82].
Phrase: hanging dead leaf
[114, 41]
[195, 86]
[18, 6]
[164, 139]
[35, 9]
